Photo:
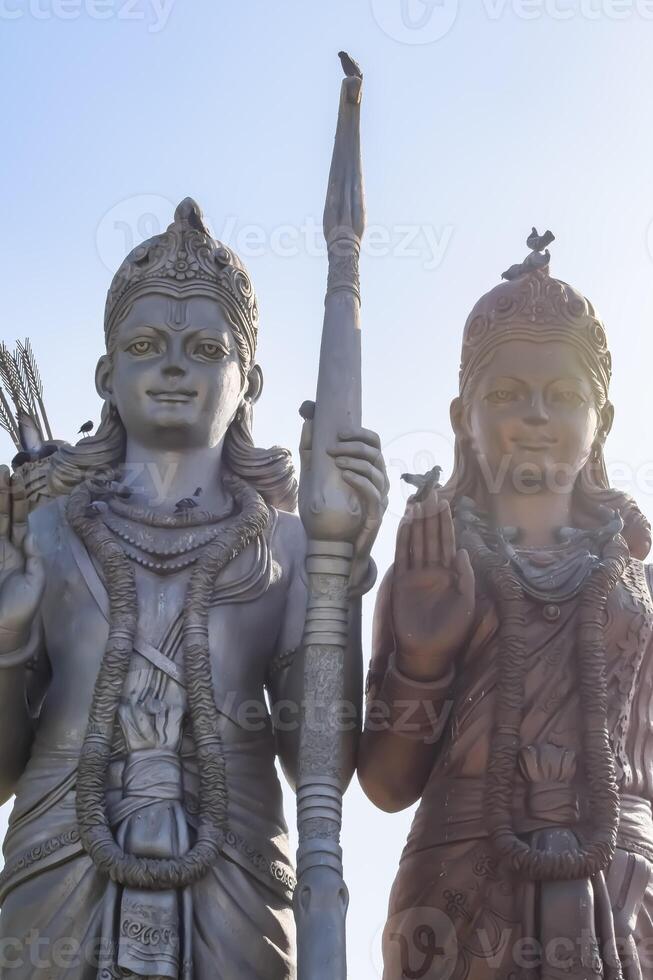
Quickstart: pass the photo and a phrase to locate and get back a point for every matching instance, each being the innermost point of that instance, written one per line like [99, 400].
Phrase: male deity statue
[146, 608]
[513, 661]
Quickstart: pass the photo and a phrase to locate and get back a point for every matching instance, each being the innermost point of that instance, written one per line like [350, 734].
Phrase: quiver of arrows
[23, 417]
[21, 386]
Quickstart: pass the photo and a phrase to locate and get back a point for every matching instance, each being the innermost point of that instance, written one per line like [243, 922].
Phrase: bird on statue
[187, 503]
[538, 242]
[21, 458]
[537, 258]
[86, 428]
[425, 482]
[350, 67]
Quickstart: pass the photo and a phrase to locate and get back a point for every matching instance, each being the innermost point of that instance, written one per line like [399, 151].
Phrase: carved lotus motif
[182, 267]
[186, 251]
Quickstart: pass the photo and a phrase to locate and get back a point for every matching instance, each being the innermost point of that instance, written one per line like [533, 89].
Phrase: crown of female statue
[532, 305]
[185, 258]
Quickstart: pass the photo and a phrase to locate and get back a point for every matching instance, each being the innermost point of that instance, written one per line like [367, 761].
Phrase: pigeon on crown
[532, 305]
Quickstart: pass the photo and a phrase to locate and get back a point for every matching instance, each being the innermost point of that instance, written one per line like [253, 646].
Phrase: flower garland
[94, 828]
[599, 765]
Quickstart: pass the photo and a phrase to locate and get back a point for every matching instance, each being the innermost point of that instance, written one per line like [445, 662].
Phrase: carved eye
[569, 397]
[211, 350]
[500, 396]
[141, 347]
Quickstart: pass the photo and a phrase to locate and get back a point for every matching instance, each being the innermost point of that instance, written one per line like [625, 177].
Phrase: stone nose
[537, 412]
[173, 370]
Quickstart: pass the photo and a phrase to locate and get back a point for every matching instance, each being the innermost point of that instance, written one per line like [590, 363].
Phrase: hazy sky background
[478, 122]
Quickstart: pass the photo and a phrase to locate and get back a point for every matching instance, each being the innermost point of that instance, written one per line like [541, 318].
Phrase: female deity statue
[511, 679]
[146, 611]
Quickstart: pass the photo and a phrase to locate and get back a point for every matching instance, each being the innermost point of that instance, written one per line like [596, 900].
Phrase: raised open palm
[432, 590]
[22, 577]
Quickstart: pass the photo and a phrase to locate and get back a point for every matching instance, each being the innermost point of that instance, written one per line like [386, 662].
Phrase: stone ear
[254, 384]
[605, 421]
[103, 373]
[457, 416]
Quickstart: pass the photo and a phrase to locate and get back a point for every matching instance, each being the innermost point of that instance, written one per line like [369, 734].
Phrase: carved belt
[453, 809]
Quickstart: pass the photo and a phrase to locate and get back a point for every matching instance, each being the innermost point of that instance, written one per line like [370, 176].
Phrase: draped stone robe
[455, 911]
[60, 917]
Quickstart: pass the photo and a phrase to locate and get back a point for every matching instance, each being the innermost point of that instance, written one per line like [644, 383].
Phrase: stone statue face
[532, 415]
[174, 372]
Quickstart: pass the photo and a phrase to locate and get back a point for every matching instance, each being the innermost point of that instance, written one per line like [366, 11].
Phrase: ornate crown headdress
[531, 304]
[185, 257]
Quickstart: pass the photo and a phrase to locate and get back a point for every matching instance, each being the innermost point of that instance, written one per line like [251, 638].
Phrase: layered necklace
[232, 536]
[163, 543]
[591, 573]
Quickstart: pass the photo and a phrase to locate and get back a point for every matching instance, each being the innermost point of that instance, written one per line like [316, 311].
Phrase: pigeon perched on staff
[350, 67]
[86, 428]
[425, 482]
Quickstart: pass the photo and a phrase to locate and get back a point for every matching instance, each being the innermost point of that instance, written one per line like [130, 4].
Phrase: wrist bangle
[415, 710]
[22, 654]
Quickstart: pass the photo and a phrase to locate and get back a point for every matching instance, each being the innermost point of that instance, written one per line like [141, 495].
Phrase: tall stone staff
[333, 520]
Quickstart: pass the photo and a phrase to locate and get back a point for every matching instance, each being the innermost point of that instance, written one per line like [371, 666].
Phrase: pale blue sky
[476, 124]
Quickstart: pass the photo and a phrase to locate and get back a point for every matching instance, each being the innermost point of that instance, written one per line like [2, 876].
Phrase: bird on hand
[350, 67]
[86, 428]
[425, 482]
